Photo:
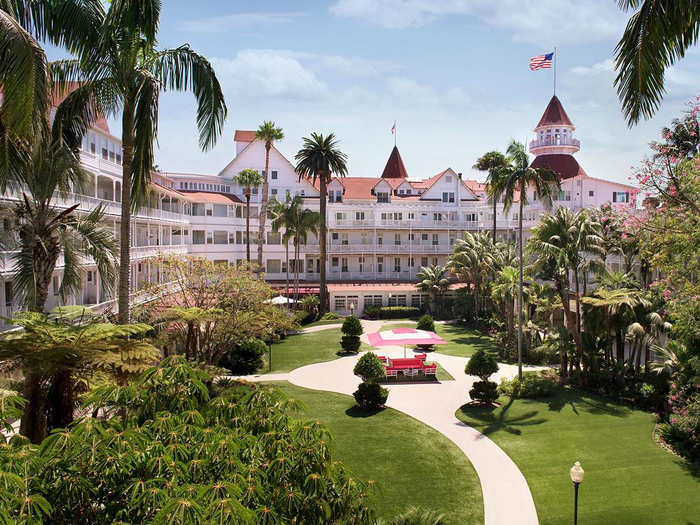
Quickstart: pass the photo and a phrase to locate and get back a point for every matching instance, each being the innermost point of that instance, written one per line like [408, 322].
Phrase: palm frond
[145, 133]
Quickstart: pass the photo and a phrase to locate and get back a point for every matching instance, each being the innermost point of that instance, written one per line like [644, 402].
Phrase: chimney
[459, 175]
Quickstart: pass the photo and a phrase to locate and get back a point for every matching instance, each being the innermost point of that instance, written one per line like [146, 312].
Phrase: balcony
[551, 141]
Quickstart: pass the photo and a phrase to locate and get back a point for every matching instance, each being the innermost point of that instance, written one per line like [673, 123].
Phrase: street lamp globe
[576, 473]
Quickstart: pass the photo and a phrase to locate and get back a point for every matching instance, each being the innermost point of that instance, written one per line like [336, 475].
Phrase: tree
[307, 222]
[492, 162]
[119, 67]
[249, 179]
[284, 215]
[267, 133]
[482, 364]
[369, 368]
[67, 341]
[516, 178]
[352, 330]
[369, 394]
[504, 290]
[657, 35]
[434, 282]
[472, 262]
[426, 322]
[320, 158]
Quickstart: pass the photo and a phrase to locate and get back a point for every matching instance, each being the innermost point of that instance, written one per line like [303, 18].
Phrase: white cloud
[606, 66]
[403, 90]
[541, 22]
[265, 73]
[224, 23]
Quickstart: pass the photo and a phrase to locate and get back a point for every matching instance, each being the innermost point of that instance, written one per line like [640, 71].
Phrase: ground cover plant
[440, 476]
[629, 478]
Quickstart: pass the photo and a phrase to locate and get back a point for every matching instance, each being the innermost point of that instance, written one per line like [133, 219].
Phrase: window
[534, 195]
[210, 238]
[380, 239]
[220, 237]
[397, 239]
[359, 216]
[415, 300]
[382, 196]
[198, 209]
[392, 300]
[400, 300]
[231, 238]
[274, 266]
[340, 302]
[435, 239]
[411, 262]
[564, 195]
[411, 216]
[274, 238]
[334, 262]
[254, 190]
[344, 264]
[401, 192]
[471, 217]
[621, 196]
[220, 210]
[424, 237]
[273, 191]
[273, 174]
[198, 236]
[89, 274]
[380, 264]
[424, 261]
[448, 196]
[397, 264]
[437, 217]
[591, 193]
[339, 216]
[435, 261]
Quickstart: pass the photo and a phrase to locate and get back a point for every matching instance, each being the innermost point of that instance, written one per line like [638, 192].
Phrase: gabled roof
[564, 165]
[243, 136]
[394, 168]
[211, 197]
[554, 114]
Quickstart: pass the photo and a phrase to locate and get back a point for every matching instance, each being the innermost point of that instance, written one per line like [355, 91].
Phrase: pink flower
[667, 294]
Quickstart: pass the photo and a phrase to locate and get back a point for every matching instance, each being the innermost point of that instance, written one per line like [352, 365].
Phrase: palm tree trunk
[296, 272]
[33, 424]
[286, 253]
[495, 208]
[61, 400]
[323, 300]
[247, 227]
[579, 351]
[620, 344]
[125, 235]
[520, 285]
[263, 206]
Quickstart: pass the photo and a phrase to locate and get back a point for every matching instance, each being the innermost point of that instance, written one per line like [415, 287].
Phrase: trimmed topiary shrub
[370, 395]
[372, 312]
[426, 323]
[482, 364]
[398, 312]
[350, 343]
[369, 368]
[532, 386]
[352, 328]
[245, 358]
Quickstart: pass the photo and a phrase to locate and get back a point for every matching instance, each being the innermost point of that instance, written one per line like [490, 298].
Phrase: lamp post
[576, 473]
[352, 308]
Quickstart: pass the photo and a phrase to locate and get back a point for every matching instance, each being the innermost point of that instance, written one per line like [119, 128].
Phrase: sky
[453, 74]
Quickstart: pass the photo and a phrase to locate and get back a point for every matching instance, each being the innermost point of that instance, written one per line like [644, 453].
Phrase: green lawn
[323, 323]
[629, 479]
[305, 349]
[411, 463]
[461, 341]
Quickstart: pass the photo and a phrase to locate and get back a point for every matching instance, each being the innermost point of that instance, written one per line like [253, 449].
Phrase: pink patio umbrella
[405, 336]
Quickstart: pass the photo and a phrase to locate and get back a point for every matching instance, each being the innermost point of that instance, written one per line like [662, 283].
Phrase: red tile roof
[564, 165]
[554, 114]
[243, 136]
[394, 168]
[215, 198]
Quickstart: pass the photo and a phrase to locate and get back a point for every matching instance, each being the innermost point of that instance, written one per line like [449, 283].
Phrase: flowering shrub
[682, 431]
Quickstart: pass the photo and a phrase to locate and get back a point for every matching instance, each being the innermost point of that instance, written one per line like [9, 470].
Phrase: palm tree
[656, 36]
[307, 222]
[267, 133]
[119, 67]
[472, 262]
[320, 158]
[433, 281]
[517, 176]
[493, 162]
[249, 179]
[284, 215]
[505, 289]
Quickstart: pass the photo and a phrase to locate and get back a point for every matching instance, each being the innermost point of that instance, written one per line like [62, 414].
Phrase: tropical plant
[657, 35]
[504, 290]
[267, 133]
[472, 262]
[482, 364]
[284, 215]
[56, 347]
[515, 179]
[492, 162]
[119, 67]
[306, 223]
[248, 179]
[643, 334]
[320, 158]
[433, 281]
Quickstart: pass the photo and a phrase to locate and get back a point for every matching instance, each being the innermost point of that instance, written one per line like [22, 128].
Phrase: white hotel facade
[381, 229]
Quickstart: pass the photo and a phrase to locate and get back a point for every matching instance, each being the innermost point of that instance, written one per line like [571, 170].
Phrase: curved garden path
[506, 495]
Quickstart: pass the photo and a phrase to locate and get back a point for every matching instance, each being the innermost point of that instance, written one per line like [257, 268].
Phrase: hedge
[391, 312]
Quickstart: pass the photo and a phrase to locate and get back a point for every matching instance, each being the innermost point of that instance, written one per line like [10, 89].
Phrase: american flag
[393, 128]
[541, 61]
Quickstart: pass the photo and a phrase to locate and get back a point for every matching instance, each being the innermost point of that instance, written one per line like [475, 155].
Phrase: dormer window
[382, 196]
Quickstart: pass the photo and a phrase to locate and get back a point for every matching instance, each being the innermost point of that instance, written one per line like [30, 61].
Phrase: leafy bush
[372, 312]
[352, 326]
[397, 312]
[176, 455]
[482, 364]
[484, 391]
[426, 323]
[304, 317]
[370, 395]
[369, 368]
[350, 343]
[330, 316]
[245, 358]
[682, 431]
[532, 386]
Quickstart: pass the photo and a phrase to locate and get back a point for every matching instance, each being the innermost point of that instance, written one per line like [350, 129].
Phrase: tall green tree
[657, 35]
[308, 222]
[120, 68]
[515, 179]
[249, 179]
[492, 162]
[320, 158]
[267, 133]
[284, 216]
[472, 262]
[433, 281]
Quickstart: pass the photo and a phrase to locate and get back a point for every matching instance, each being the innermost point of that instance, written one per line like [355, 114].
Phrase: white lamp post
[352, 308]
[576, 473]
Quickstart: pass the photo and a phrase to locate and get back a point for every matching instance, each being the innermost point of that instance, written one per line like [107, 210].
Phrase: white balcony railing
[550, 141]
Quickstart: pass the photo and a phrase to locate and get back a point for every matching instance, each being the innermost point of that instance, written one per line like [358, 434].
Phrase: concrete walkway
[506, 495]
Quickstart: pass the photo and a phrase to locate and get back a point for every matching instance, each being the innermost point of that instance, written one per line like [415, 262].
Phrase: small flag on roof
[541, 61]
[393, 128]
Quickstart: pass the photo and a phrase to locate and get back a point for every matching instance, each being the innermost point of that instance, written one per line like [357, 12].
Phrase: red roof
[394, 168]
[554, 114]
[215, 198]
[564, 165]
[243, 136]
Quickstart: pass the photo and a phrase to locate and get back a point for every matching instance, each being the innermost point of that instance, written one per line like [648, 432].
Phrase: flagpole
[555, 70]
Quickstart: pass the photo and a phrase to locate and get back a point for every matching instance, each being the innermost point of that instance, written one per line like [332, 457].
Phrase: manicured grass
[411, 463]
[323, 323]
[461, 341]
[628, 478]
[305, 349]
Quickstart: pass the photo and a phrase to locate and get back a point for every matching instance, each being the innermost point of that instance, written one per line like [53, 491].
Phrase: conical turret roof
[394, 168]
[554, 114]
